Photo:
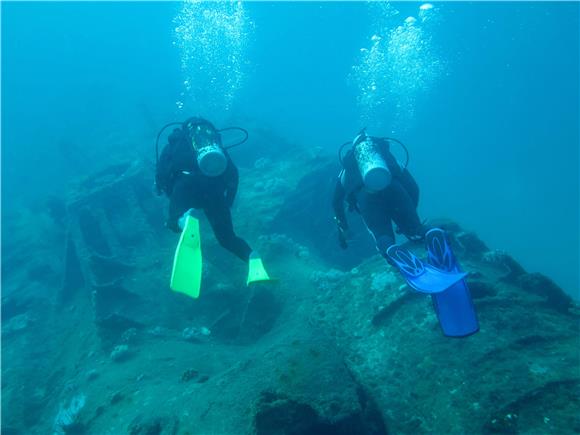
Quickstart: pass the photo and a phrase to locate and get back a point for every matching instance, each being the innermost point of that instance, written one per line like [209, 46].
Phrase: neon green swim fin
[256, 270]
[186, 274]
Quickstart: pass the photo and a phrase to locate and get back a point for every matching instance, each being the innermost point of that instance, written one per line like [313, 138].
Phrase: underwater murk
[298, 218]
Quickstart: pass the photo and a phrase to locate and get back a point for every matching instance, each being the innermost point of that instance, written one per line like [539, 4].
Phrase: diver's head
[207, 143]
[362, 135]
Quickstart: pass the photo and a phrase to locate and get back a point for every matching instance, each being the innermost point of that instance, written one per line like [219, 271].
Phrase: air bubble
[212, 39]
[391, 75]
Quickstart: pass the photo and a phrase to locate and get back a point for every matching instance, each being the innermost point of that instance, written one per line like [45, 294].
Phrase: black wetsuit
[180, 178]
[396, 203]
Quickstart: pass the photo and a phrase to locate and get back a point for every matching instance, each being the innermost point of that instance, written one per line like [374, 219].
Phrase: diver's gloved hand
[191, 212]
[342, 233]
[342, 240]
[416, 234]
[157, 189]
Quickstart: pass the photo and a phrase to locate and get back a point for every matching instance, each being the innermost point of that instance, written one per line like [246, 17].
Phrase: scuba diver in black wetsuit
[383, 191]
[373, 183]
[196, 172]
[201, 177]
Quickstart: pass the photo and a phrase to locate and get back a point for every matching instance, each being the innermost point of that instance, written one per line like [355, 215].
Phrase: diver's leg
[411, 186]
[404, 212]
[220, 219]
[183, 197]
[376, 215]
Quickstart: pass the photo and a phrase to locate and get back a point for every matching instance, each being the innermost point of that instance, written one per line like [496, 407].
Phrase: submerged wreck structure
[338, 345]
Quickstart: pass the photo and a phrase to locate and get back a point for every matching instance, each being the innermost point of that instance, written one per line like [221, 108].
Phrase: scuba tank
[206, 142]
[371, 164]
[209, 151]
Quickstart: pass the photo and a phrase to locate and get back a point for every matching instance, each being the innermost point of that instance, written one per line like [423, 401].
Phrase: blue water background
[494, 142]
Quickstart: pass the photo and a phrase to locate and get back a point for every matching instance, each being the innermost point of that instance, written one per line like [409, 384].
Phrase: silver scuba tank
[211, 159]
[373, 168]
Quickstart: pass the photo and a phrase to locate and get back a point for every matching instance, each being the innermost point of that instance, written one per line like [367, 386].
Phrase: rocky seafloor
[94, 342]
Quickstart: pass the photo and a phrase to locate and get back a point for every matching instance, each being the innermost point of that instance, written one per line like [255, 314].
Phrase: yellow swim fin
[256, 270]
[186, 274]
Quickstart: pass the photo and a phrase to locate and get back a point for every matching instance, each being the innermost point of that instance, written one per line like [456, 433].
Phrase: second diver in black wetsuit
[373, 183]
[201, 177]
[383, 191]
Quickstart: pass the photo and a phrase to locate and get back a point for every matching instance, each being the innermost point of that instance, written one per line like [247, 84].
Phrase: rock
[12, 306]
[197, 335]
[262, 162]
[382, 281]
[112, 327]
[524, 319]
[129, 335]
[92, 375]
[500, 258]
[158, 331]
[202, 379]
[470, 244]
[541, 285]
[116, 397]
[329, 280]
[8, 430]
[120, 353]
[333, 275]
[302, 217]
[481, 289]
[154, 425]
[67, 418]
[279, 414]
[15, 325]
[188, 375]
[100, 410]
[284, 359]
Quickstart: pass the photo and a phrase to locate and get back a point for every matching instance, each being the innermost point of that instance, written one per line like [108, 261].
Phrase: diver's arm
[232, 184]
[163, 173]
[339, 214]
[338, 203]
[179, 203]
